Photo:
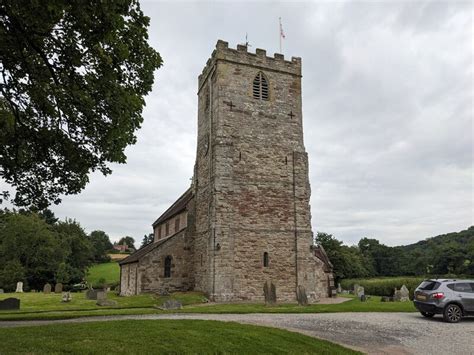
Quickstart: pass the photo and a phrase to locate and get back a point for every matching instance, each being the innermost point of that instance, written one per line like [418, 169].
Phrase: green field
[162, 336]
[110, 272]
[40, 306]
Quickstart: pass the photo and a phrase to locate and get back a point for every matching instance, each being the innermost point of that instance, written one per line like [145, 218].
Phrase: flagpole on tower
[279, 32]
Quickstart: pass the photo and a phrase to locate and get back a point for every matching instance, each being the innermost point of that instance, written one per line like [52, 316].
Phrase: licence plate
[421, 297]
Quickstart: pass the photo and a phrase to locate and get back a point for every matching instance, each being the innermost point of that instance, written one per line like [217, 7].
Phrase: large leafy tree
[101, 245]
[73, 76]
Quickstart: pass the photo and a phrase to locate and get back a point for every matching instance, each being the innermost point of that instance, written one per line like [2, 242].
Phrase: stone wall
[159, 231]
[252, 187]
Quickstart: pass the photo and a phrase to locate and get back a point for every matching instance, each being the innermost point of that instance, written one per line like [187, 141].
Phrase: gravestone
[301, 296]
[1, 290]
[354, 290]
[47, 288]
[171, 304]
[33, 291]
[19, 287]
[363, 298]
[66, 297]
[91, 294]
[396, 295]
[106, 302]
[101, 295]
[269, 291]
[58, 288]
[360, 291]
[339, 288]
[9, 304]
[404, 294]
[386, 299]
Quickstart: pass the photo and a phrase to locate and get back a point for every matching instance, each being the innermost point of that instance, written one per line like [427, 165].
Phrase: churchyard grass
[41, 306]
[162, 336]
[110, 272]
[49, 306]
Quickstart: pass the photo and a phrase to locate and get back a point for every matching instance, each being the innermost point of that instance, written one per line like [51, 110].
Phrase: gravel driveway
[373, 333]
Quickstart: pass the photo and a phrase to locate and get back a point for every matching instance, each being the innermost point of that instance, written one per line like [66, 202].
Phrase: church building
[245, 220]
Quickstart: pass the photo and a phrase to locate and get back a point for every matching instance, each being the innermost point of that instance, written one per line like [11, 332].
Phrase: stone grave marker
[171, 304]
[1, 290]
[9, 304]
[404, 294]
[363, 298]
[47, 288]
[339, 288]
[19, 287]
[58, 288]
[91, 294]
[269, 291]
[101, 295]
[301, 296]
[66, 297]
[33, 291]
[360, 291]
[354, 290]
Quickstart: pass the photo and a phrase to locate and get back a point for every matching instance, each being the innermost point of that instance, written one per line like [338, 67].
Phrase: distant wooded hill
[451, 253]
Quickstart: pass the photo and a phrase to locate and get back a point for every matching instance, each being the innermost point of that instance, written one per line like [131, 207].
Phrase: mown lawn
[110, 272]
[161, 336]
[49, 306]
[40, 306]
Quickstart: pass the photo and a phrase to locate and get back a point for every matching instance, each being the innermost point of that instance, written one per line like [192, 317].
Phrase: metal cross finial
[247, 44]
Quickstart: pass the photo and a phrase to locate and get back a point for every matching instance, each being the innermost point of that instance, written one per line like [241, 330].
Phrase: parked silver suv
[453, 299]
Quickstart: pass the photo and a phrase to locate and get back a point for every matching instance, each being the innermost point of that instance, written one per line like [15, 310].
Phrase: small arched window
[265, 259]
[260, 87]
[168, 260]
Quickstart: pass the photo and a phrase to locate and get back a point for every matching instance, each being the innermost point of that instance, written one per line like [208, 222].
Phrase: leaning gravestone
[269, 291]
[404, 294]
[58, 288]
[66, 297]
[91, 294]
[47, 288]
[301, 296]
[9, 304]
[19, 287]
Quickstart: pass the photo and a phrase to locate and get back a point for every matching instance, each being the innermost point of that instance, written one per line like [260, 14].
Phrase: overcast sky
[387, 112]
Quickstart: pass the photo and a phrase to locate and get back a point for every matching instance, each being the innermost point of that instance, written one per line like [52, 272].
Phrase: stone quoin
[245, 221]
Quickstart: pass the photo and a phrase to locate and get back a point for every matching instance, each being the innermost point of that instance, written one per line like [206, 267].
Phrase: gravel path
[373, 333]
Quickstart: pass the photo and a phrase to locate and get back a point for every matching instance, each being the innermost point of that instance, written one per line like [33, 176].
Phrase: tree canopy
[451, 253]
[128, 241]
[73, 76]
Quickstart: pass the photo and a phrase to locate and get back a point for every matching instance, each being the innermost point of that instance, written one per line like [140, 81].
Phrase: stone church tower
[248, 217]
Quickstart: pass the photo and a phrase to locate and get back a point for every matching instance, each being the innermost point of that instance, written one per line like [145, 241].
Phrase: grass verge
[162, 336]
[39, 306]
[110, 272]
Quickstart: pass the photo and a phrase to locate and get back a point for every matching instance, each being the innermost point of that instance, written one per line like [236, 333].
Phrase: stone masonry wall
[252, 191]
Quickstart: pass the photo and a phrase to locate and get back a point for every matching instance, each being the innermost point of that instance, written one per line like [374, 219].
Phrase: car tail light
[437, 295]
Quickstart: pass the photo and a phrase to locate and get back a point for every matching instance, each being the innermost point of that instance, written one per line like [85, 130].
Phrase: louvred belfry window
[260, 87]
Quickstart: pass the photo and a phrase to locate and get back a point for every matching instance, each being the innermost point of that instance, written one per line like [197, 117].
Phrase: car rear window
[429, 285]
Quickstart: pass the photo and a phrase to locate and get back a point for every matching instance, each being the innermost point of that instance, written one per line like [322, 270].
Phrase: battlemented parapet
[259, 59]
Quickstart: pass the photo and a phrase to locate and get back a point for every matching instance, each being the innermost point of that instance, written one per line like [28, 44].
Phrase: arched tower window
[168, 260]
[265, 259]
[260, 87]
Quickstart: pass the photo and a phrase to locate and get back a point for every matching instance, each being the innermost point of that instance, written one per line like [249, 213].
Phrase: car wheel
[427, 314]
[452, 313]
